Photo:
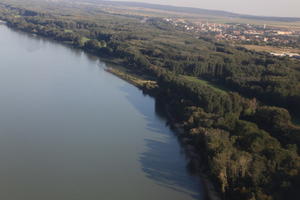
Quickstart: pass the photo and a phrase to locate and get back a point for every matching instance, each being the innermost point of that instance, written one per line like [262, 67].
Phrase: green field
[214, 86]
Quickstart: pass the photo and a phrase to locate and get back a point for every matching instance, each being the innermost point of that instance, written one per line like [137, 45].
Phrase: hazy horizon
[287, 8]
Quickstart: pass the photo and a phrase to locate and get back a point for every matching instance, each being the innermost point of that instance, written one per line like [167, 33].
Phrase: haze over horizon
[276, 8]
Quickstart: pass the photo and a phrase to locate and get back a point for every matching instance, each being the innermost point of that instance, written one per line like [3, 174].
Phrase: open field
[200, 18]
[272, 49]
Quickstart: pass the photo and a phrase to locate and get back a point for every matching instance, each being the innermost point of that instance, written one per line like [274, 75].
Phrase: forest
[235, 105]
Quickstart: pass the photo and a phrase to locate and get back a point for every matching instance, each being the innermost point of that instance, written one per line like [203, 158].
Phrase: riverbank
[194, 159]
[195, 162]
[134, 80]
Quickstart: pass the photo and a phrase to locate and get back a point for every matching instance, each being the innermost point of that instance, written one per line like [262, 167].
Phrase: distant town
[247, 34]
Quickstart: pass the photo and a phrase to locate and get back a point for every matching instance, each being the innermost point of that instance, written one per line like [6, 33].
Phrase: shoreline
[150, 87]
[210, 192]
[194, 159]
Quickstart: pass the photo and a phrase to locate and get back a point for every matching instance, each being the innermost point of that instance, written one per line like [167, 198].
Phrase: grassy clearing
[68, 31]
[84, 39]
[137, 81]
[215, 87]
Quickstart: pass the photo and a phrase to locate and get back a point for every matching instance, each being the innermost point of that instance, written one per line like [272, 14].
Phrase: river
[71, 131]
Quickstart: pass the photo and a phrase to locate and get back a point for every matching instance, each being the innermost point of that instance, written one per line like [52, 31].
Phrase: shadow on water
[164, 161]
[296, 120]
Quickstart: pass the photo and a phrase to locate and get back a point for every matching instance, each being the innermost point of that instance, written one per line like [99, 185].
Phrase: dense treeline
[250, 149]
[275, 81]
[245, 159]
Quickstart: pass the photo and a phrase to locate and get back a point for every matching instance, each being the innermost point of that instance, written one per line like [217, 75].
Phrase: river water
[71, 131]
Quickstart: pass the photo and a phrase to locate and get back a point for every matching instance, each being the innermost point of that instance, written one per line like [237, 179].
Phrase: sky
[282, 8]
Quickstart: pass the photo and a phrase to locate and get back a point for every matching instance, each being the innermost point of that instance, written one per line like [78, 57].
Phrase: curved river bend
[71, 131]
